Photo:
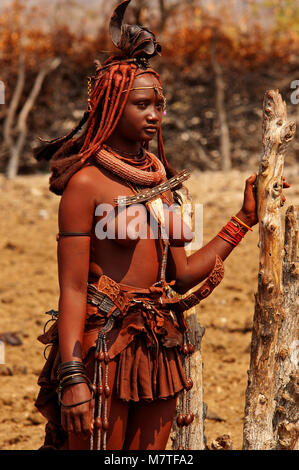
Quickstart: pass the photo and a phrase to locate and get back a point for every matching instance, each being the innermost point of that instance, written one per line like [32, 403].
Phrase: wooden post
[268, 318]
[197, 406]
[285, 421]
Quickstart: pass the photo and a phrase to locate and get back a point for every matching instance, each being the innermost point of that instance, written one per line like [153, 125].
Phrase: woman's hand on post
[77, 419]
[285, 185]
[248, 212]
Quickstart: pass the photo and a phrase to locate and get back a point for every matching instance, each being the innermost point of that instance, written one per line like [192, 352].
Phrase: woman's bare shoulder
[94, 183]
[87, 175]
[86, 181]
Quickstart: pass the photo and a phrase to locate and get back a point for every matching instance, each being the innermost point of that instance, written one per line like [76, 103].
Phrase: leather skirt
[145, 343]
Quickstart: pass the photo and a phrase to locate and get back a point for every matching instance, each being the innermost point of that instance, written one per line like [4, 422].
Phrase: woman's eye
[141, 105]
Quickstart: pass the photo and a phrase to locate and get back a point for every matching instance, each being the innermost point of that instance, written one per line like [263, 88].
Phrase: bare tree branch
[16, 97]
[15, 150]
[221, 111]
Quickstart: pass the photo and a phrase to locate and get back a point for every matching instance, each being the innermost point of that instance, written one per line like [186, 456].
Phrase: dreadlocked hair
[108, 96]
[110, 91]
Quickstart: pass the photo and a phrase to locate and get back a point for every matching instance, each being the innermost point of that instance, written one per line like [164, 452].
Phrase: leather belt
[110, 299]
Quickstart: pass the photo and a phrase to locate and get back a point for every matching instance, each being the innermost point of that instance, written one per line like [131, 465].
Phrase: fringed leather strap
[150, 194]
[203, 292]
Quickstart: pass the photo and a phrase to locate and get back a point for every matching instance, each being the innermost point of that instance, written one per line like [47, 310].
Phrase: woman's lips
[150, 130]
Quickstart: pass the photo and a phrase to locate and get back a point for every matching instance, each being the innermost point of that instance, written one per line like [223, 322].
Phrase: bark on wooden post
[260, 395]
[197, 406]
[285, 421]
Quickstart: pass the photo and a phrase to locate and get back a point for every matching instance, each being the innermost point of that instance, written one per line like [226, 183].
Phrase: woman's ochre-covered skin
[124, 257]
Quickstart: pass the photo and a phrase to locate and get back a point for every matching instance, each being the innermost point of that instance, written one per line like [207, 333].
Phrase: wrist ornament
[72, 373]
[234, 231]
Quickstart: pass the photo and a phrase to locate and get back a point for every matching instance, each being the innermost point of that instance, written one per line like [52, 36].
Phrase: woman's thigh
[149, 424]
[117, 412]
[132, 426]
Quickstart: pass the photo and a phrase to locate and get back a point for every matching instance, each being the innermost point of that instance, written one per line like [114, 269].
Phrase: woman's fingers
[285, 184]
[76, 423]
[250, 183]
[250, 187]
[69, 422]
[251, 180]
[86, 423]
[63, 420]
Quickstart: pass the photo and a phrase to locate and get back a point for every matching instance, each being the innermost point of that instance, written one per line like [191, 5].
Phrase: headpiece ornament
[133, 40]
[108, 93]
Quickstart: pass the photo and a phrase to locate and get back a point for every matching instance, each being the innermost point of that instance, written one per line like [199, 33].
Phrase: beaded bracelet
[242, 223]
[234, 231]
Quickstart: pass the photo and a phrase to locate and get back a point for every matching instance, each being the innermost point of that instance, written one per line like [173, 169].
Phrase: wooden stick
[260, 394]
[285, 421]
[197, 406]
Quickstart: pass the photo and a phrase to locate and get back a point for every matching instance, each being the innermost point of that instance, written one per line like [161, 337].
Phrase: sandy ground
[29, 287]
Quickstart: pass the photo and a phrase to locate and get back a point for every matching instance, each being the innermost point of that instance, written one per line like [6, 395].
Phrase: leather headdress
[133, 40]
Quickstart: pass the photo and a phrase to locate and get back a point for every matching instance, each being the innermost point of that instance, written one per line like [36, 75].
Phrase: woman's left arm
[188, 271]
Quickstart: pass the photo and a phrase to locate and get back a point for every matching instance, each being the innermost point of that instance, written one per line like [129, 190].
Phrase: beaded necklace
[140, 160]
[149, 171]
[124, 154]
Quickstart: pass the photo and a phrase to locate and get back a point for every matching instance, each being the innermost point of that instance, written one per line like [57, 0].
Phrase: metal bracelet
[75, 404]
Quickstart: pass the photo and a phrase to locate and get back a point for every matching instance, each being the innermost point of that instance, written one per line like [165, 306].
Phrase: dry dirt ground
[29, 287]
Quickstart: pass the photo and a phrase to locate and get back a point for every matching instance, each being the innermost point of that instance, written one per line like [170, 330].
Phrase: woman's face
[142, 116]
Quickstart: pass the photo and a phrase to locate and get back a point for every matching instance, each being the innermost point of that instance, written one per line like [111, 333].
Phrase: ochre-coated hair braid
[107, 101]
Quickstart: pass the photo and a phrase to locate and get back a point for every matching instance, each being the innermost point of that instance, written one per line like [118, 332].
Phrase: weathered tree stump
[286, 386]
[195, 432]
[269, 315]
[197, 406]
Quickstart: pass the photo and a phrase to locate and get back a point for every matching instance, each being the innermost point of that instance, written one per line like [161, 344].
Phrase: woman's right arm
[76, 214]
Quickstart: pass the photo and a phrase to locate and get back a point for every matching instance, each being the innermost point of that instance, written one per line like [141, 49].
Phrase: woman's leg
[118, 416]
[118, 419]
[117, 412]
[149, 424]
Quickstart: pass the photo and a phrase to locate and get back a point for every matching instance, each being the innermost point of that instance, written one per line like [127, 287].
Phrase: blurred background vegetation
[219, 57]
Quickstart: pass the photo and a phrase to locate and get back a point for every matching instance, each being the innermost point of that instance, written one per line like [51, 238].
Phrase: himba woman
[120, 345]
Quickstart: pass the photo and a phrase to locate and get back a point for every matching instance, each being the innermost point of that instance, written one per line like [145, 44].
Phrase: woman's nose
[153, 115]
